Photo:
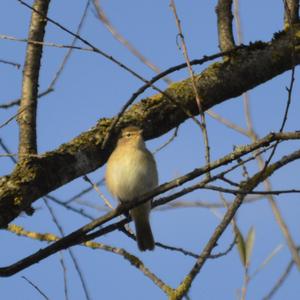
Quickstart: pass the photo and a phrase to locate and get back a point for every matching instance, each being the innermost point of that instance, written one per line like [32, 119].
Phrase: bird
[131, 172]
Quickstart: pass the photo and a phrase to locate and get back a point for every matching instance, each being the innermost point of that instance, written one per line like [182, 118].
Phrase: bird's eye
[128, 134]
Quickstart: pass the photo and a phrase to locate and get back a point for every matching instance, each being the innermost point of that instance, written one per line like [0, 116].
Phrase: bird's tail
[143, 230]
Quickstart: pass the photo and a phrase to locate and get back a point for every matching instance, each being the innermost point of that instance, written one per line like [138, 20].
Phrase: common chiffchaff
[131, 171]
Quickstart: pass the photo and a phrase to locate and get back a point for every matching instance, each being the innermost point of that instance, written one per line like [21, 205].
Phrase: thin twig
[36, 287]
[95, 187]
[202, 204]
[69, 207]
[8, 152]
[95, 49]
[121, 65]
[83, 192]
[69, 52]
[143, 88]
[65, 59]
[227, 122]
[82, 234]
[12, 117]
[236, 192]
[267, 260]
[169, 141]
[92, 205]
[17, 101]
[44, 43]
[248, 185]
[111, 58]
[72, 255]
[132, 259]
[280, 281]
[261, 162]
[106, 22]
[161, 245]
[287, 5]
[217, 255]
[194, 85]
[64, 268]
[102, 16]
[11, 63]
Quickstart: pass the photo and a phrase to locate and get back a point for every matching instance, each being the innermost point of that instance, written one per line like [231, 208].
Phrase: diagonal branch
[106, 22]
[261, 162]
[193, 82]
[81, 235]
[37, 176]
[246, 187]
[132, 259]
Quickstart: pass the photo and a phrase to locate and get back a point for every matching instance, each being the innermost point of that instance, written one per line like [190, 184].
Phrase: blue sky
[91, 88]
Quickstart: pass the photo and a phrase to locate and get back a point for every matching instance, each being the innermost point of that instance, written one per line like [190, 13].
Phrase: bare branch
[69, 52]
[17, 102]
[82, 155]
[27, 117]
[280, 281]
[251, 133]
[73, 257]
[34, 188]
[203, 204]
[247, 186]
[65, 59]
[236, 192]
[102, 16]
[199, 99]
[44, 43]
[64, 268]
[67, 206]
[83, 235]
[95, 187]
[224, 14]
[133, 260]
[227, 122]
[11, 63]
[8, 152]
[104, 19]
[36, 288]
[95, 49]
[170, 140]
[83, 192]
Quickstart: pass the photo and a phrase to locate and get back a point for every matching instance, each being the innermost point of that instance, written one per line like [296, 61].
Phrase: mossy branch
[248, 67]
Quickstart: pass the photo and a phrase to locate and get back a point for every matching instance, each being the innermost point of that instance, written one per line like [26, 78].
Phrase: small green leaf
[240, 243]
[249, 244]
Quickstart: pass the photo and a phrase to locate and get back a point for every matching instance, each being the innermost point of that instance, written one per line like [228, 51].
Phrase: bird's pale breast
[131, 173]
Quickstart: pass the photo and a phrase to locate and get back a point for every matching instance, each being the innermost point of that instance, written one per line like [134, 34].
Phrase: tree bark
[247, 68]
[28, 103]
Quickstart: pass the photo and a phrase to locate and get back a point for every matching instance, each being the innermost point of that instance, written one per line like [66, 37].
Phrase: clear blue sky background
[92, 87]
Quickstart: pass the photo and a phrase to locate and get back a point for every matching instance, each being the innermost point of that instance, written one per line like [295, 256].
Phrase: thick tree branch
[28, 104]
[250, 66]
